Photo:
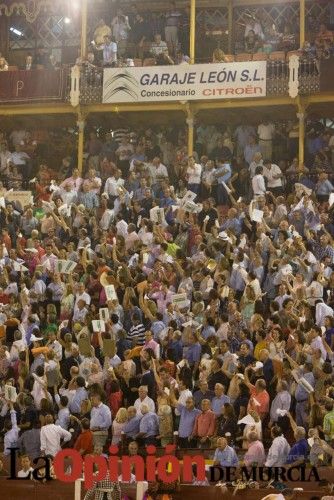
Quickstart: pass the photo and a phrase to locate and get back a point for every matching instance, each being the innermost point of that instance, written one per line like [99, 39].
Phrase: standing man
[274, 177]
[173, 18]
[266, 131]
[100, 421]
[194, 172]
[51, 437]
[109, 48]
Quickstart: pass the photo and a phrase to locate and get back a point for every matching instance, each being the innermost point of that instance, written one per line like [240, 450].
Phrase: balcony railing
[38, 86]
[91, 80]
[34, 86]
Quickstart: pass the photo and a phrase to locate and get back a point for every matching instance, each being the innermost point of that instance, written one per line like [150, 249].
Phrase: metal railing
[91, 80]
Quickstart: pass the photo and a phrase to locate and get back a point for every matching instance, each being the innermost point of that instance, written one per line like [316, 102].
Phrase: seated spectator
[253, 25]
[225, 455]
[29, 63]
[158, 46]
[288, 39]
[324, 38]
[109, 47]
[253, 43]
[3, 64]
[218, 56]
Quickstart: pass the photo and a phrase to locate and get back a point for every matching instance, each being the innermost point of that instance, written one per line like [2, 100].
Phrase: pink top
[255, 454]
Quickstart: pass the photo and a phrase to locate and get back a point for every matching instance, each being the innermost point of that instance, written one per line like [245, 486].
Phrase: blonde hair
[218, 56]
[121, 416]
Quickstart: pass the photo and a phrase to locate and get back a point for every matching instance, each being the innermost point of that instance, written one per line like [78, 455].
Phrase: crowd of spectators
[135, 37]
[199, 302]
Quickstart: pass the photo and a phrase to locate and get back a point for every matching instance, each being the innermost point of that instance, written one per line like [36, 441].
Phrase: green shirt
[329, 425]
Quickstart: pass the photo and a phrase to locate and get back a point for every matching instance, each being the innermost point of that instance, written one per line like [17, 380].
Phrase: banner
[185, 82]
[25, 198]
[28, 86]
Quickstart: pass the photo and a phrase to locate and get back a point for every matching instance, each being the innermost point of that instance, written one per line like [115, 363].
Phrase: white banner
[185, 82]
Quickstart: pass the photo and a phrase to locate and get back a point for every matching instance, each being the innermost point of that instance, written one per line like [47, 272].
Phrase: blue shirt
[226, 457]
[208, 331]
[149, 424]
[324, 187]
[187, 420]
[100, 417]
[298, 451]
[131, 428]
[217, 404]
[63, 418]
[199, 396]
[79, 396]
[193, 354]
[156, 328]
[301, 394]
[250, 151]
[233, 224]
[226, 177]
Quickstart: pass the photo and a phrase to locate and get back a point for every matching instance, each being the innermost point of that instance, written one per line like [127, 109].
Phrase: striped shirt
[137, 331]
[119, 133]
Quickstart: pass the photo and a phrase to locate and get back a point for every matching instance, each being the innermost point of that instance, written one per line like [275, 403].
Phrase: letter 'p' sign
[19, 86]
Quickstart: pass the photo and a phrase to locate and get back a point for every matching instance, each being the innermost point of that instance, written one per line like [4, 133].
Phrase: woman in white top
[258, 184]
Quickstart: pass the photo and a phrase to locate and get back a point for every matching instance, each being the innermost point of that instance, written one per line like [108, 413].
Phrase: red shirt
[115, 402]
[85, 442]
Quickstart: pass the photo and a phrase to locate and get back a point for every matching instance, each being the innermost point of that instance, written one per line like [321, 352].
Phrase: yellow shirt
[258, 348]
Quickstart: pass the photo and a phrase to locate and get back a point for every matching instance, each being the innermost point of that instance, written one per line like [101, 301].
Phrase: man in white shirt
[266, 131]
[54, 345]
[144, 399]
[132, 237]
[158, 46]
[49, 258]
[185, 393]
[67, 194]
[316, 342]
[113, 183]
[109, 51]
[258, 184]
[51, 437]
[157, 171]
[279, 450]
[321, 311]
[12, 431]
[19, 158]
[274, 175]
[256, 162]
[194, 172]
[82, 295]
